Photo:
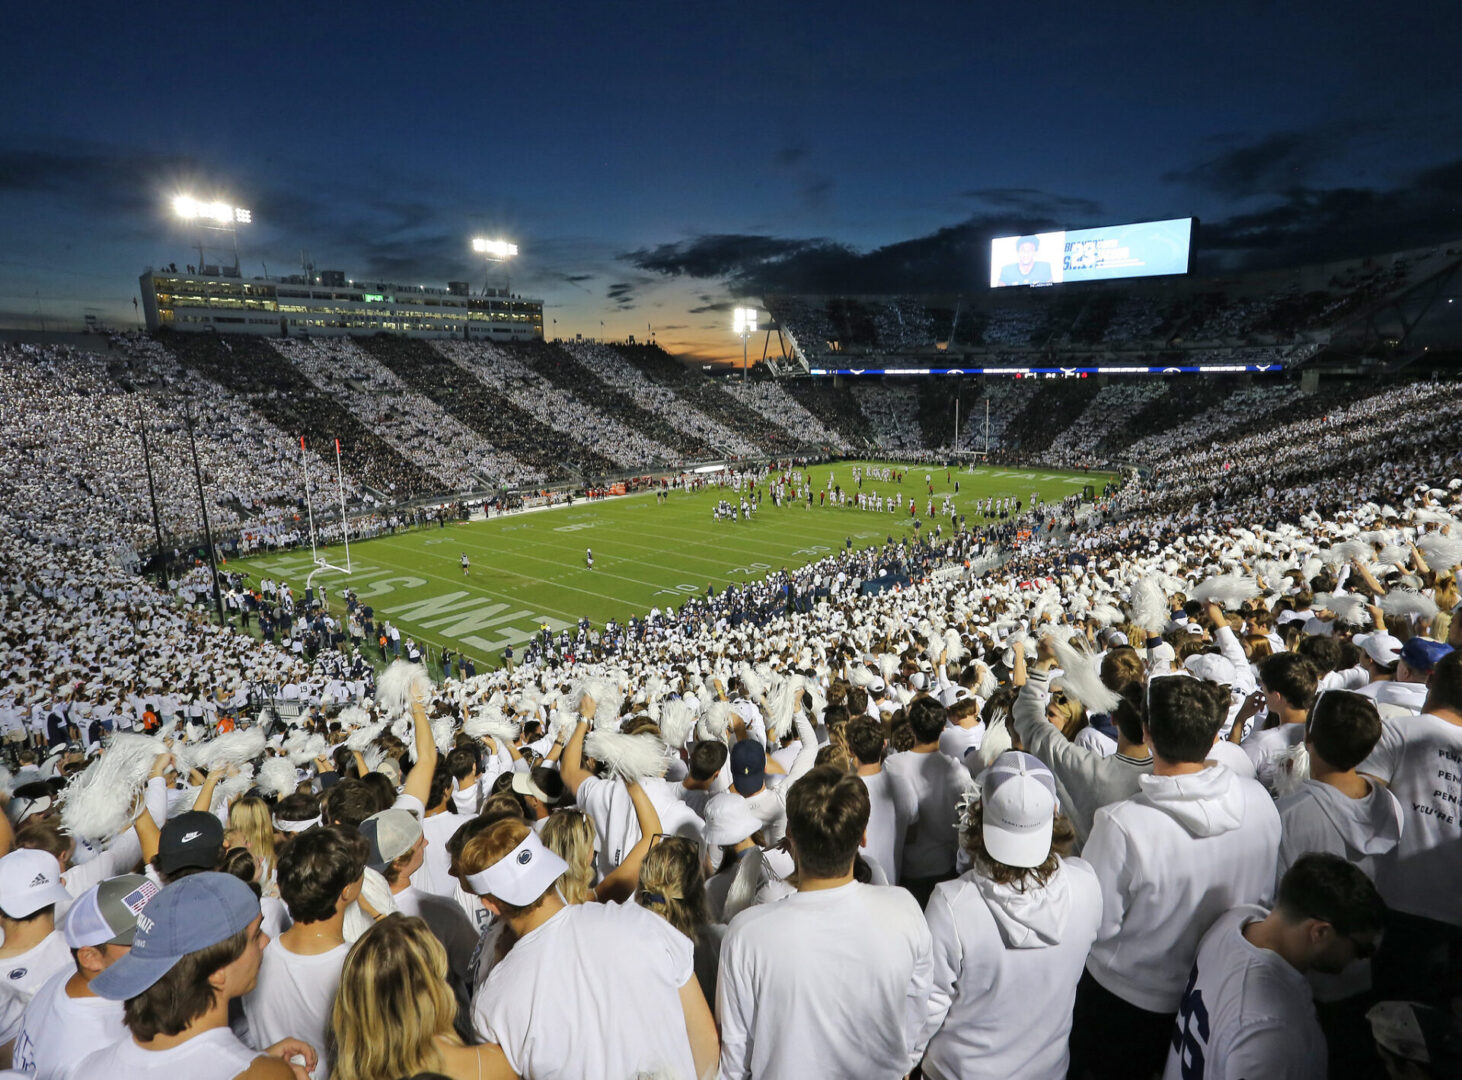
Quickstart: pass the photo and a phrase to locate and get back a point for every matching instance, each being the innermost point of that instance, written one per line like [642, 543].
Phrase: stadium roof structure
[1386, 309]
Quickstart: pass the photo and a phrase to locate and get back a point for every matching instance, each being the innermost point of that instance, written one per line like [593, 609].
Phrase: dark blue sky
[658, 162]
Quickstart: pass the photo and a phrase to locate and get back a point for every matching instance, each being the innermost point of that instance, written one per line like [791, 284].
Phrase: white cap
[522, 875]
[30, 879]
[1211, 667]
[1018, 796]
[1380, 646]
[729, 820]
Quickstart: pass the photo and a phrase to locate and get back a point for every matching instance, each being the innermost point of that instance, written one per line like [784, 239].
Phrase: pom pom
[1107, 614]
[1150, 605]
[1349, 609]
[235, 748]
[443, 732]
[1408, 602]
[742, 893]
[783, 708]
[353, 717]
[489, 721]
[277, 778]
[1442, 552]
[362, 738]
[630, 757]
[859, 675]
[888, 666]
[954, 646]
[1229, 590]
[400, 685]
[231, 787]
[677, 721]
[1080, 678]
[102, 801]
[302, 748]
[1344, 553]
[715, 722]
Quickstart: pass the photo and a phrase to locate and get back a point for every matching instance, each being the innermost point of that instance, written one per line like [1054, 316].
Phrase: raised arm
[571, 764]
[418, 780]
[620, 883]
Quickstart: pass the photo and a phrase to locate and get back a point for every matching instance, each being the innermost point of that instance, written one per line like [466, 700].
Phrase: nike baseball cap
[30, 879]
[183, 918]
[192, 840]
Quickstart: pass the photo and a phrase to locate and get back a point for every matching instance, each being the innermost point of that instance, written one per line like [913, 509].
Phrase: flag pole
[344, 522]
[309, 508]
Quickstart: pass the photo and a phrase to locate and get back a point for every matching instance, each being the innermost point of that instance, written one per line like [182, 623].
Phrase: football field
[528, 569]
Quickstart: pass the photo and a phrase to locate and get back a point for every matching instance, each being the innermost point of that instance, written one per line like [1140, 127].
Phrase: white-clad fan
[1011, 935]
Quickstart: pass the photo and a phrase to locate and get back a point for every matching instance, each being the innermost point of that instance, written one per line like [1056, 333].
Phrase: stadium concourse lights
[743, 322]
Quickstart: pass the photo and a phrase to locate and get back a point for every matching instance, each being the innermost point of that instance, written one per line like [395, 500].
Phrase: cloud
[1035, 202]
[817, 190]
[622, 295]
[1273, 162]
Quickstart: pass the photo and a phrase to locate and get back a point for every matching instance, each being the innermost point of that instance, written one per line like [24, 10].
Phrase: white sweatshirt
[832, 983]
[1171, 859]
[1006, 965]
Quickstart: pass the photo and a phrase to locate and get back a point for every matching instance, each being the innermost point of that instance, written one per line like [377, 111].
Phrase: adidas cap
[30, 880]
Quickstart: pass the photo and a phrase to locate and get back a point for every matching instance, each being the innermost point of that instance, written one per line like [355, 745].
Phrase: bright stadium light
[494, 249]
[216, 216]
[743, 323]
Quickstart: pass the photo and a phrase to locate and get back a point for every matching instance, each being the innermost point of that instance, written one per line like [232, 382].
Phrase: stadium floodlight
[494, 249]
[191, 209]
[743, 323]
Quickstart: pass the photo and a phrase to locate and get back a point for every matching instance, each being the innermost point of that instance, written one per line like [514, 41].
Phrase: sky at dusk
[659, 163]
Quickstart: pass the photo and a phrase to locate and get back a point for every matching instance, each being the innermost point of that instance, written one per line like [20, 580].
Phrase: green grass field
[528, 569]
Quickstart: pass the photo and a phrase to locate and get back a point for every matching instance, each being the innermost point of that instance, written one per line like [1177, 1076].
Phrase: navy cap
[185, 917]
[748, 766]
[1423, 654]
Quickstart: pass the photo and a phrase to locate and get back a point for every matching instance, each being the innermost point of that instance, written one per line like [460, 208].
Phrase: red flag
[337, 447]
[302, 442]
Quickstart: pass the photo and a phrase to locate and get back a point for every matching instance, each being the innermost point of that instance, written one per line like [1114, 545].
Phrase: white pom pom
[1080, 678]
[362, 738]
[1344, 553]
[443, 732]
[401, 684]
[1107, 614]
[1408, 602]
[489, 721]
[353, 717]
[1349, 608]
[954, 646]
[784, 705]
[715, 722]
[231, 787]
[630, 757]
[303, 748]
[1150, 605]
[677, 721]
[102, 801]
[859, 675]
[1442, 552]
[1229, 590]
[277, 778]
[235, 748]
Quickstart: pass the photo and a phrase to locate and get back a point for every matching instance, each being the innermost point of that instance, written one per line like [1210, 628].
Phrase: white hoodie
[1171, 859]
[1006, 965]
[1319, 817]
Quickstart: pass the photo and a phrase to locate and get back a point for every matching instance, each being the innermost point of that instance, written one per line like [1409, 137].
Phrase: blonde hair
[569, 834]
[393, 1003]
[673, 885]
[253, 828]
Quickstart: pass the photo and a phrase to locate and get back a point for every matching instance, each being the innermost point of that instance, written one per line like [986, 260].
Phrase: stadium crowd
[1171, 789]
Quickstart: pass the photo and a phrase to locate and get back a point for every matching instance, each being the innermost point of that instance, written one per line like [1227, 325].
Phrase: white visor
[522, 875]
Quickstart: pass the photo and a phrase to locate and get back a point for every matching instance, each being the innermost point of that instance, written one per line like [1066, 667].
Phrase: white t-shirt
[1420, 757]
[893, 807]
[593, 992]
[293, 998]
[58, 1031]
[938, 781]
[22, 975]
[608, 803]
[830, 983]
[958, 741]
[1246, 1012]
[217, 1054]
[435, 876]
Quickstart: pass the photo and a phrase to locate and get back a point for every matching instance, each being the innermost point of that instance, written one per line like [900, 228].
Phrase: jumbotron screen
[1146, 249]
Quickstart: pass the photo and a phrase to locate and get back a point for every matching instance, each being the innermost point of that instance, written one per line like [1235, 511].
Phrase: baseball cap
[522, 875]
[30, 880]
[729, 820]
[24, 807]
[1424, 654]
[391, 834]
[106, 914]
[748, 761]
[190, 840]
[1211, 667]
[1018, 796]
[1417, 1032]
[1380, 646]
[184, 917]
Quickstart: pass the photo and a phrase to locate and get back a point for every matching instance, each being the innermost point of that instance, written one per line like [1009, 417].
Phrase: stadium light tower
[744, 324]
[215, 217]
[496, 252]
